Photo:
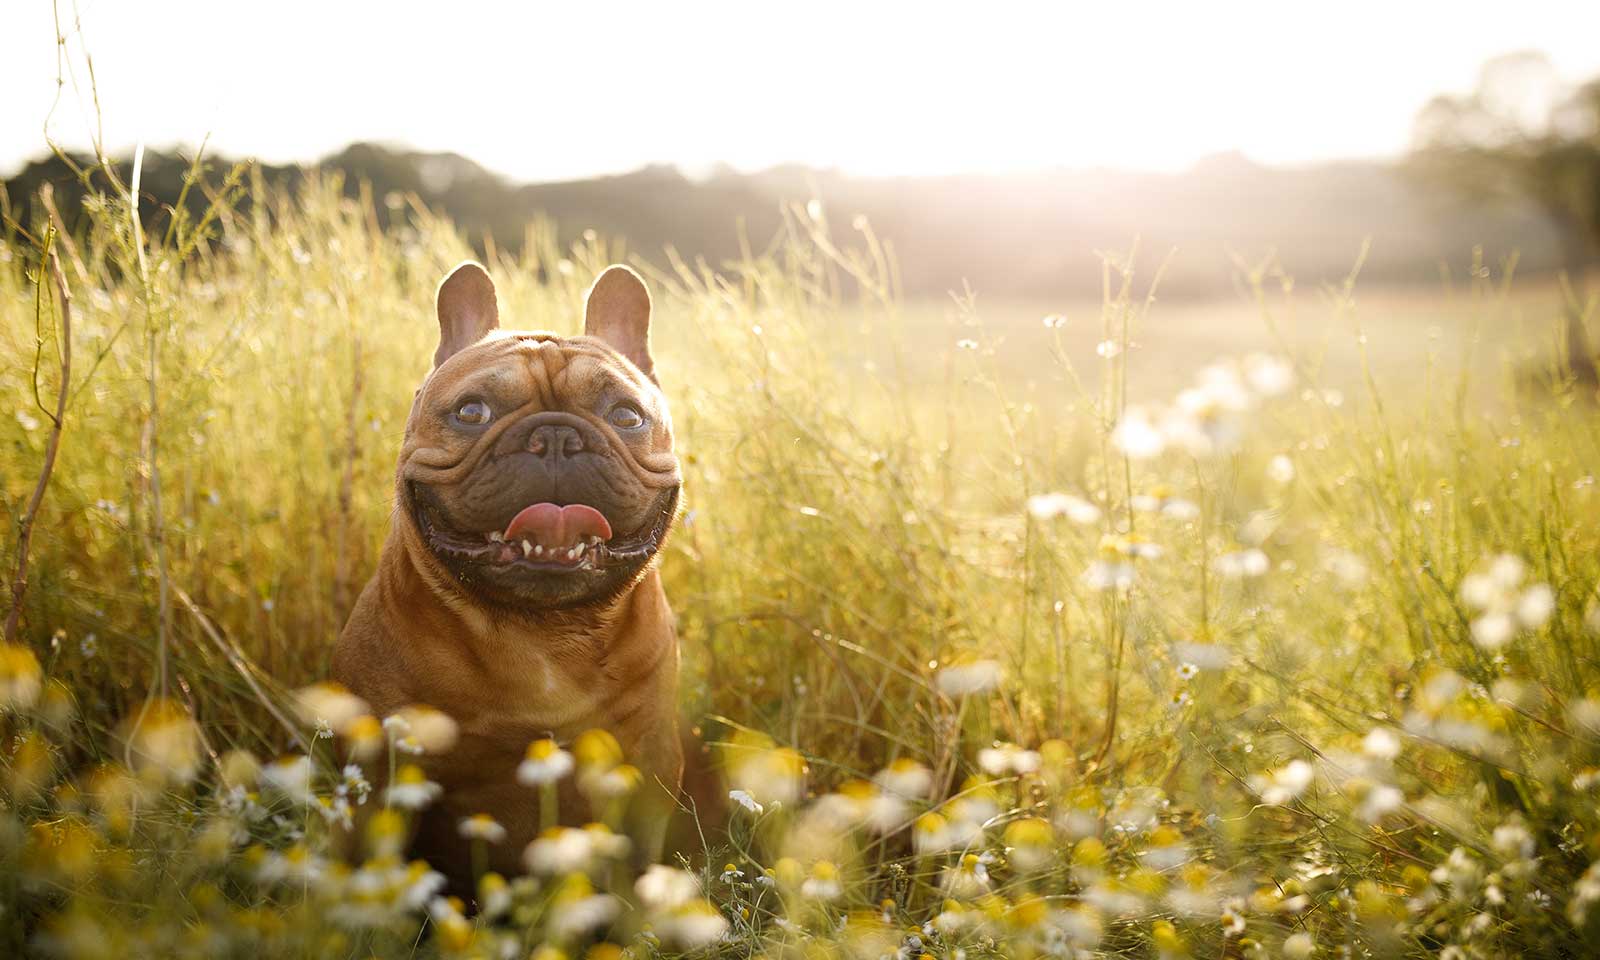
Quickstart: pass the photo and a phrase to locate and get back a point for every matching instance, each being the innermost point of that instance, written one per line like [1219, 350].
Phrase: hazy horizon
[548, 95]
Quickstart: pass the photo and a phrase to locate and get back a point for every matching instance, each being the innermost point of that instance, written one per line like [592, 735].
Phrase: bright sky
[543, 91]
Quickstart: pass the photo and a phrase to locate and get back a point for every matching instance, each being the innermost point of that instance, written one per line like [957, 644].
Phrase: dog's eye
[474, 413]
[626, 416]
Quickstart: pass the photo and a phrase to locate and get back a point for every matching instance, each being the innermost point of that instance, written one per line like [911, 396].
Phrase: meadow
[1256, 628]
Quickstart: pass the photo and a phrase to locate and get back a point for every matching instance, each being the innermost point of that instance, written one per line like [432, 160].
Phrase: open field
[1177, 629]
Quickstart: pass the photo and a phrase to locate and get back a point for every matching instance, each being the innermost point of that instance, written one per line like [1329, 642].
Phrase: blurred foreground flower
[545, 763]
[419, 729]
[328, 703]
[968, 677]
[1048, 506]
[290, 778]
[411, 789]
[1284, 784]
[19, 677]
[163, 742]
[760, 773]
[1504, 607]
[481, 826]
[576, 908]
[662, 887]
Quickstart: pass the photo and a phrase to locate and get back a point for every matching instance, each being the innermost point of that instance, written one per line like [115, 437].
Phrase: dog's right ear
[467, 310]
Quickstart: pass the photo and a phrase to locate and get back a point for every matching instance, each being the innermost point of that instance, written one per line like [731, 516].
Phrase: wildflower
[352, 782]
[765, 773]
[239, 768]
[1459, 871]
[931, 834]
[745, 800]
[1161, 499]
[544, 763]
[363, 736]
[1584, 894]
[422, 729]
[823, 882]
[1107, 349]
[662, 888]
[386, 834]
[494, 895]
[1047, 506]
[905, 777]
[89, 646]
[481, 826]
[967, 879]
[296, 865]
[1007, 758]
[1054, 321]
[164, 742]
[1249, 562]
[611, 784]
[1349, 569]
[1137, 436]
[597, 750]
[968, 677]
[1513, 841]
[1503, 606]
[1379, 800]
[560, 850]
[692, 925]
[1380, 743]
[1268, 375]
[1233, 918]
[30, 766]
[411, 789]
[328, 704]
[1299, 946]
[1111, 571]
[1283, 785]
[1167, 849]
[731, 873]
[966, 344]
[289, 777]
[1187, 672]
[576, 909]
[1029, 844]
[1203, 655]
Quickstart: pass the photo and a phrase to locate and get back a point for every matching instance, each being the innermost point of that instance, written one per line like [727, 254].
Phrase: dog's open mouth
[547, 537]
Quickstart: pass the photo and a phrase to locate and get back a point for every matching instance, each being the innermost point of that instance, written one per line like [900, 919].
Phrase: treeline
[1031, 235]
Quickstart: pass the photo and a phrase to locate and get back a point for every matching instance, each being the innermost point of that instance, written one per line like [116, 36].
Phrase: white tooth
[527, 548]
[578, 550]
[572, 554]
[538, 550]
[497, 537]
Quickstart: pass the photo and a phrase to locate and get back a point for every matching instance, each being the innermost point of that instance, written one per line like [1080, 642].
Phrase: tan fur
[509, 677]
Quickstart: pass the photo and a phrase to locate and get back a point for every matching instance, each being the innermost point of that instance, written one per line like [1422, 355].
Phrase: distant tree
[1523, 132]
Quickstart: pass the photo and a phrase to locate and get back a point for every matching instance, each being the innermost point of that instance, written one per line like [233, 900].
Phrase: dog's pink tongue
[553, 526]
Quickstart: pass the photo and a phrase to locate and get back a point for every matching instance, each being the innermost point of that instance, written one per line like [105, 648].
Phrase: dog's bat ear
[467, 310]
[618, 312]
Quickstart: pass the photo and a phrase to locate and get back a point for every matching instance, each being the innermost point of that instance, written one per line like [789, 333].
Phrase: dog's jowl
[517, 589]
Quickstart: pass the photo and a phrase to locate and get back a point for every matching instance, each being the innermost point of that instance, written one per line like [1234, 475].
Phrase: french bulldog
[517, 590]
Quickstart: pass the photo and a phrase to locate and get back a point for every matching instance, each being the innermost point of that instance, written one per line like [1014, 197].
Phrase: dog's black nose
[555, 440]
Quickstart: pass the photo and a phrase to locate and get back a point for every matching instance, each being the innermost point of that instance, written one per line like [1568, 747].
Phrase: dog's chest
[537, 696]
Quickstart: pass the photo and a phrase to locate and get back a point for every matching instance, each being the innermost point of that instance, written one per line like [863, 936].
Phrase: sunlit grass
[1059, 635]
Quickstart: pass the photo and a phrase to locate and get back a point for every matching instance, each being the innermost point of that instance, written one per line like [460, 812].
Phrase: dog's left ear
[618, 312]
[467, 310]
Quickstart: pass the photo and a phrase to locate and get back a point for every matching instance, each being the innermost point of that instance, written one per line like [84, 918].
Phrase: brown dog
[517, 590]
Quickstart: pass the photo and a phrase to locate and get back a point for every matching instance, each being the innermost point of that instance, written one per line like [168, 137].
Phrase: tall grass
[1270, 666]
